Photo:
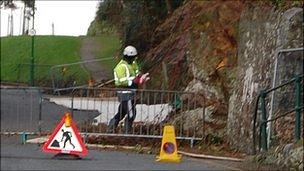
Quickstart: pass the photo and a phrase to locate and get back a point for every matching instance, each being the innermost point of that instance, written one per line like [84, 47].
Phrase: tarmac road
[20, 112]
[15, 156]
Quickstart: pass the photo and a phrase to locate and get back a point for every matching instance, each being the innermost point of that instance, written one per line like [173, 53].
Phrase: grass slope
[110, 45]
[49, 51]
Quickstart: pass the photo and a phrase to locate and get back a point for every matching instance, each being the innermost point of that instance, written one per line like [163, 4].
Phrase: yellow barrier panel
[168, 150]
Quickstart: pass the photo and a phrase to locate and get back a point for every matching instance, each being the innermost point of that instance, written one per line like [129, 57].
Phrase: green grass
[110, 45]
[49, 51]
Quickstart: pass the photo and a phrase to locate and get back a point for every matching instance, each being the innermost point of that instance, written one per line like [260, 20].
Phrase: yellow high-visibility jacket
[125, 73]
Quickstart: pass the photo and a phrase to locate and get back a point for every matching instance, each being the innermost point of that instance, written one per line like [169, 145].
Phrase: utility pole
[53, 29]
[12, 24]
[20, 26]
[8, 25]
[24, 18]
[26, 21]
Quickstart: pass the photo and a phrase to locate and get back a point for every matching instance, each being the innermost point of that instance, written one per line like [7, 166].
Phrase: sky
[71, 18]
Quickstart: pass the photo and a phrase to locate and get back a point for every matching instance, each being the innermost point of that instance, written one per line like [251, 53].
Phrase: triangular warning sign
[65, 139]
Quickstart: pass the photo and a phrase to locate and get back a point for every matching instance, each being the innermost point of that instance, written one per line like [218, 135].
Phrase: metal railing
[154, 109]
[38, 111]
[263, 121]
[21, 110]
[283, 70]
[29, 110]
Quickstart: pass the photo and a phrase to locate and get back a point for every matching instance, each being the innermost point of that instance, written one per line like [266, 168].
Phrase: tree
[7, 4]
[28, 12]
[136, 19]
[11, 4]
[29, 5]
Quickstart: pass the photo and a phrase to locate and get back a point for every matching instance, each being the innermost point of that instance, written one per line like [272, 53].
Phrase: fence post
[72, 105]
[264, 123]
[40, 111]
[32, 66]
[72, 101]
[298, 109]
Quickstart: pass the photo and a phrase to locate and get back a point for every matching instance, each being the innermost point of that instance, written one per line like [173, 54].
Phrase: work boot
[112, 126]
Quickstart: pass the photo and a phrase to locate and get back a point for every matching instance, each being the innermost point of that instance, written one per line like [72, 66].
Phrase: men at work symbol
[67, 135]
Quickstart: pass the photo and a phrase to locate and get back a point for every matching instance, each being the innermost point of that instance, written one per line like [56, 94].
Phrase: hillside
[50, 51]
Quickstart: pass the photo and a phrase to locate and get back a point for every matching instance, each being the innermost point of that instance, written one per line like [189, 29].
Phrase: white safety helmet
[130, 51]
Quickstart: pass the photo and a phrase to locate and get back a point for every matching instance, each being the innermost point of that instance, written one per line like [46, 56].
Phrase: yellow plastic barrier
[168, 151]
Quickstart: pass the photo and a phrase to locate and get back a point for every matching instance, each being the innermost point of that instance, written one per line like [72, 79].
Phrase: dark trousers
[125, 108]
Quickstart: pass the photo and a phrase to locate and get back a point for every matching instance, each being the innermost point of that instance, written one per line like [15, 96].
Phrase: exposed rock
[285, 157]
[210, 92]
[198, 115]
[225, 52]
[192, 119]
[262, 32]
[209, 111]
[286, 150]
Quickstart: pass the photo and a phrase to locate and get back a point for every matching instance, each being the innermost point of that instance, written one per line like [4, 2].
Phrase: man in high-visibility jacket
[128, 77]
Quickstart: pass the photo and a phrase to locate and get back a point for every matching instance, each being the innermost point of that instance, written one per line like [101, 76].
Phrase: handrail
[263, 94]
[278, 55]
[284, 84]
[35, 64]
[286, 113]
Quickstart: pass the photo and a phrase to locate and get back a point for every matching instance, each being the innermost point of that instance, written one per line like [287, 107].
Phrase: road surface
[20, 112]
[15, 156]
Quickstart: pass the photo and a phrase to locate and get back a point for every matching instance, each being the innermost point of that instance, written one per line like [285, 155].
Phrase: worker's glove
[141, 78]
[144, 78]
[137, 79]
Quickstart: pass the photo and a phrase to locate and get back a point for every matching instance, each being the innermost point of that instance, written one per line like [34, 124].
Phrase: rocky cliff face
[225, 51]
[262, 33]
[195, 50]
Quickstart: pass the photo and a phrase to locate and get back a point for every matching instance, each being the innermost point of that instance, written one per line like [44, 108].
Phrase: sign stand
[62, 156]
